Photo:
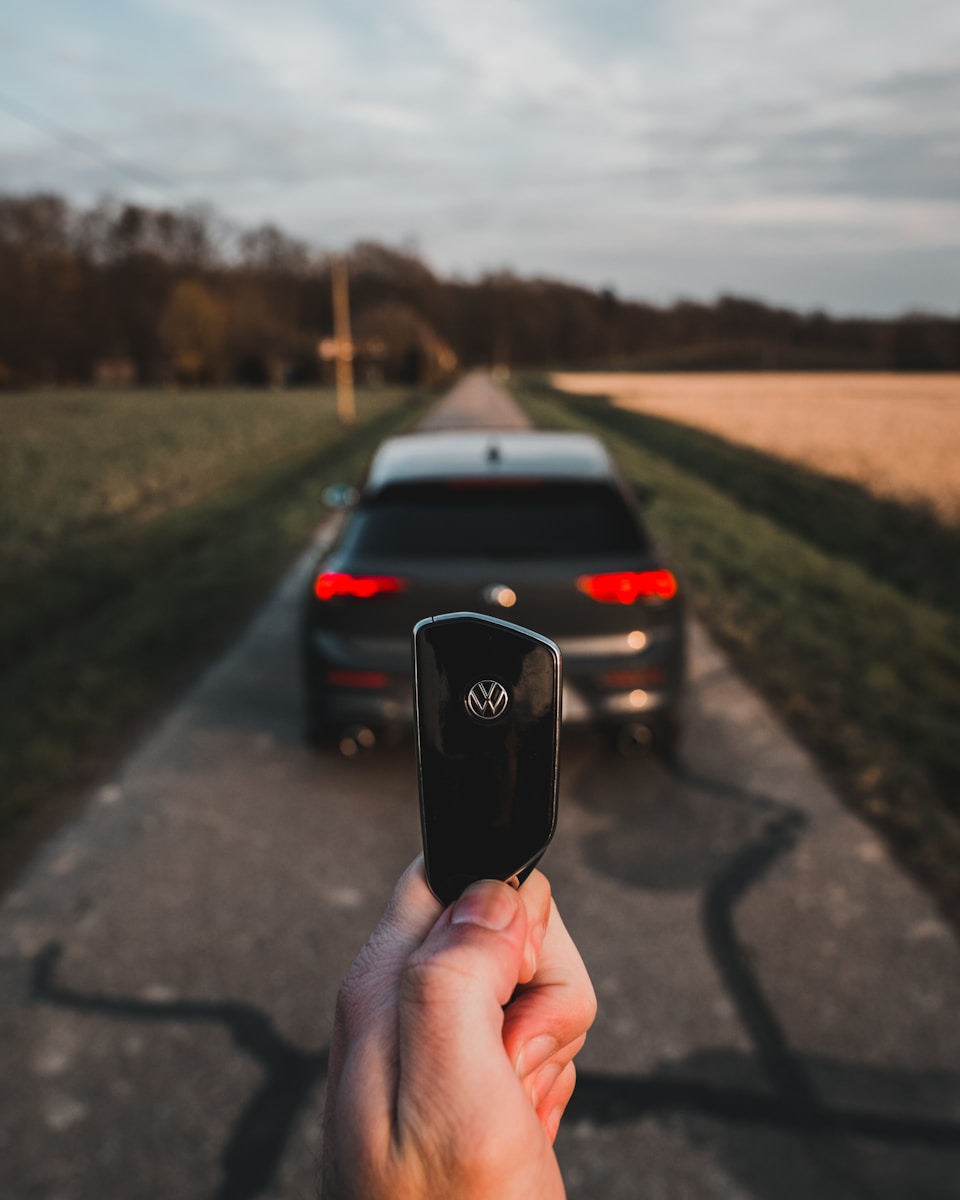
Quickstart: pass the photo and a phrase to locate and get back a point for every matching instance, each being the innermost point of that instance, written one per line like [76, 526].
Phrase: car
[539, 528]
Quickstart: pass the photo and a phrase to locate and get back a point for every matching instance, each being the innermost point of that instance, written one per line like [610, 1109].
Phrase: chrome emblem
[487, 700]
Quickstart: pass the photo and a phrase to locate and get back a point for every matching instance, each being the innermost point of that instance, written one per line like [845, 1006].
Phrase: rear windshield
[536, 520]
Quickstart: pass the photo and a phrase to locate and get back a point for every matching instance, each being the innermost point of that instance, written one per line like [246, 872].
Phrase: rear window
[535, 520]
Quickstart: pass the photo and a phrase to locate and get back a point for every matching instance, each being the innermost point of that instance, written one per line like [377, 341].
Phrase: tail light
[332, 584]
[621, 680]
[627, 587]
[358, 679]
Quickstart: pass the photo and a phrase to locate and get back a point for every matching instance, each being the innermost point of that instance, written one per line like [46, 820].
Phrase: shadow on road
[253, 1150]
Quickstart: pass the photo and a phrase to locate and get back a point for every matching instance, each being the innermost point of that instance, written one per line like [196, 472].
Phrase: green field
[136, 531]
[840, 608]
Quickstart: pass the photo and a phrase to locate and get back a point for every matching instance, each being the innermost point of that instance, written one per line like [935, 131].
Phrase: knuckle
[590, 1011]
[347, 1005]
[427, 980]
[573, 1048]
[587, 1005]
[356, 996]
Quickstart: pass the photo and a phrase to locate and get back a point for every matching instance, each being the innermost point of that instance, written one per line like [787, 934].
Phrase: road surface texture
[779, 1005]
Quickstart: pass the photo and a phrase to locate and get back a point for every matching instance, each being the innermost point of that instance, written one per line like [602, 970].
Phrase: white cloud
[504, 54]
[290, 45]
[552, 133]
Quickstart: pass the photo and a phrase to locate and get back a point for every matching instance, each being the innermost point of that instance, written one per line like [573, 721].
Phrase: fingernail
[531, 955]
[551, 1122]
[486, 904]
[543, 1080]
[536, 939]
[534, 1054]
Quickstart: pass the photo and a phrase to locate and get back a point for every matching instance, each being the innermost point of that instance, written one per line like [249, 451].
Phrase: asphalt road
[778, 1003]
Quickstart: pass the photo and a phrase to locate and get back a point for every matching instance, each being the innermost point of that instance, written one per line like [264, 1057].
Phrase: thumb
[452, 994]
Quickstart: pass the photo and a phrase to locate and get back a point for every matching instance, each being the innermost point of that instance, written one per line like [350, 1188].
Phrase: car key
[487, 701]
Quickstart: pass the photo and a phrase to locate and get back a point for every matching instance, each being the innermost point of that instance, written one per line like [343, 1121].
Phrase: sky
[803, 153]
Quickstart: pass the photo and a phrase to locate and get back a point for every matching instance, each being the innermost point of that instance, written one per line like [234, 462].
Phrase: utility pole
[340, 347]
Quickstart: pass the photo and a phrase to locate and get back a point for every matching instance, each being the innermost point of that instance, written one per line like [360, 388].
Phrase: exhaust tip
[355, 739]
[634, 741]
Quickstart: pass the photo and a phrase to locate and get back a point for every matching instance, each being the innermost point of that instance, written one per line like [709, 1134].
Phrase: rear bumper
[586, 697]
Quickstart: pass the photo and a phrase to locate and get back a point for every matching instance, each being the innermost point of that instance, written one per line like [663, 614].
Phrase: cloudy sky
[802, 152]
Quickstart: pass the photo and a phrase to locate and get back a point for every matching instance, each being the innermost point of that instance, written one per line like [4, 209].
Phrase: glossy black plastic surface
[488, 782]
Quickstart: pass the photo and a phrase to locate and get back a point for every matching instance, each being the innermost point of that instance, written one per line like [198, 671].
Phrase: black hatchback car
[538, 528]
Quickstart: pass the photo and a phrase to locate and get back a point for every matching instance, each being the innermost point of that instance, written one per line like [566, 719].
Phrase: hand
[453, 1047]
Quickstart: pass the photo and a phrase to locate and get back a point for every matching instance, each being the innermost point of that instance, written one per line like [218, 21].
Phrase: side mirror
[645, 494]
[340, 496]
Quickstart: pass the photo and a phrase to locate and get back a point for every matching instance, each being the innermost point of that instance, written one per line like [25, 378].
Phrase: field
[838, 606]
[136, 531]
[897, 435]
[73, 463]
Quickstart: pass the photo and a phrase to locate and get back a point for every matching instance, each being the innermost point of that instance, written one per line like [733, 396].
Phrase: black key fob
[487, 701]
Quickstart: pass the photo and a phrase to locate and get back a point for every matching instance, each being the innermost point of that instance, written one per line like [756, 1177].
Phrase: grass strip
[867, 678]
[158, 599]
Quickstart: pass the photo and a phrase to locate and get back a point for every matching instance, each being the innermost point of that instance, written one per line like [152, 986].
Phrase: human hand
[453, 1047]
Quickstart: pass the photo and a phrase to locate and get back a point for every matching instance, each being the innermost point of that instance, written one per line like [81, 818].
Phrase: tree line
[120, 293]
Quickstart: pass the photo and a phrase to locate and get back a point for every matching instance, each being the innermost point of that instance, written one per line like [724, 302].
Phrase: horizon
[323, 256]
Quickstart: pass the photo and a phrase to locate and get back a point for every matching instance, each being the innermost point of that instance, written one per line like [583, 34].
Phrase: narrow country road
[778, 1003]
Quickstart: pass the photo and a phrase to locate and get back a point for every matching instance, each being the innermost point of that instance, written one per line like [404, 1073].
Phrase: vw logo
[487, 700]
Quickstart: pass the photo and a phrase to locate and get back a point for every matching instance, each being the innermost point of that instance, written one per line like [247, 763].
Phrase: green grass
[138, 531]
[863, 669]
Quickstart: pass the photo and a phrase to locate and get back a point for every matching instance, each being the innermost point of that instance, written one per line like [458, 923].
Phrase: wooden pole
[346, 404]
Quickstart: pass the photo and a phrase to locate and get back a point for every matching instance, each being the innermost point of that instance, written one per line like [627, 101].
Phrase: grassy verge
[106, 616]
[866, 674]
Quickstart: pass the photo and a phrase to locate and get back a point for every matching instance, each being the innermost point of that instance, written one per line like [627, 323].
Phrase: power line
[79, 142]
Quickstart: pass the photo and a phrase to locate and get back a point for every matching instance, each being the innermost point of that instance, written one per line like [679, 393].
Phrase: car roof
[488, 453]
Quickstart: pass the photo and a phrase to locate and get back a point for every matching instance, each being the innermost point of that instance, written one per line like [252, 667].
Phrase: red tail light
[631, 679]
[626, 587]
[358, 679]
[360, 587]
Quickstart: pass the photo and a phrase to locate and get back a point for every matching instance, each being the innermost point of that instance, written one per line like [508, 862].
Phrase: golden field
[898, 435]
